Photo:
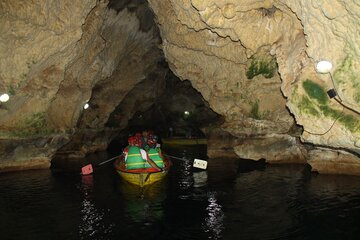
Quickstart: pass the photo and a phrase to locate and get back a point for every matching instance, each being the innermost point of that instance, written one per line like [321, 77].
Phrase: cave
[77, 80]
[266, 93]
[180, 108]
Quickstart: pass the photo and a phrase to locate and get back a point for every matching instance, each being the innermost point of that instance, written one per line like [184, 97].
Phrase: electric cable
[332, 94]
[340, 101]
[320, 134]
[333, 82]
[344, 106]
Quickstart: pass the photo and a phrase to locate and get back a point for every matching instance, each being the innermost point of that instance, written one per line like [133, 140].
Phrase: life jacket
[156, 156]
[134, 159]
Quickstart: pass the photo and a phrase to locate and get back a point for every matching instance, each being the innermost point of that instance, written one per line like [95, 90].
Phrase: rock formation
[255, 60]
[58, 56]
[252, 61]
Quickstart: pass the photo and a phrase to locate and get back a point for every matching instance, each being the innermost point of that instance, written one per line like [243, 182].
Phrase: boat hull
[143, 176]
[142, 179]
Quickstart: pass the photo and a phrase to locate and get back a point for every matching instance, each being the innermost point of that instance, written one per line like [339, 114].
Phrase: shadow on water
[232, 199]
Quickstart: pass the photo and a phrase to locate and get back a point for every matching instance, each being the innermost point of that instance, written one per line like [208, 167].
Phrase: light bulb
[4, 97]
[323, 66]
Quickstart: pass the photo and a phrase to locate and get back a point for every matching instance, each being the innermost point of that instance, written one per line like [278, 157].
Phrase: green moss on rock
[35, 125]
[254, 112]
[266, 67]
[347, 73]
[329, 112]
[306, 106]
[315, 91]
[315, 103]
[357, 97]
[350, 122]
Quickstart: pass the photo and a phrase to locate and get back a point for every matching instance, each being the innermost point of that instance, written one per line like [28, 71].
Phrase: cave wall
[57, 56]
[254, 62]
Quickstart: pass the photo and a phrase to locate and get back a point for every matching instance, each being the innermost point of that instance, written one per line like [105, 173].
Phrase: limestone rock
[31, 153]
[252, 61]
[274, 149]
[37, 163]
[220, 143]
[235, 86]
[58, 56]
[334, 162]
[235, 81]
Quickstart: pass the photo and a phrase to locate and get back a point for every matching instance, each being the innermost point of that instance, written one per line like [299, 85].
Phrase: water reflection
[266, 201]
[199, 214]
[227, 201]
[200, 179]
[143, 205]
[333, 202]
[214, 221]
[185, 175]
[92, 224]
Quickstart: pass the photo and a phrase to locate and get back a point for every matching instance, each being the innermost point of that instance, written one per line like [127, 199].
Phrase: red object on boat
[86, 170]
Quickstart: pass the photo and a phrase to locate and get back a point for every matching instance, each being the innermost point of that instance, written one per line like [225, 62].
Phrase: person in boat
[154, 151]
[136, 157]
[144, 139]
[133, 157]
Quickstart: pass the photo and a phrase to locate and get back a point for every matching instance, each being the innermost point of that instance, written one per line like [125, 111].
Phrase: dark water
[231, 200]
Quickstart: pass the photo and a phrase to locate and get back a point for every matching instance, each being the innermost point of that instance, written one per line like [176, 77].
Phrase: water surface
[231, 200]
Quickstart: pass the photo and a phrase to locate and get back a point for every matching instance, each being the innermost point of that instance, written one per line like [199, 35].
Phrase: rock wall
[254, 62]
[57, 56]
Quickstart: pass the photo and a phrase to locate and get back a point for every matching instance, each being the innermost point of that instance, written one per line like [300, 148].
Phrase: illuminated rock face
[227, 49]
[252, 61]
[55, 57]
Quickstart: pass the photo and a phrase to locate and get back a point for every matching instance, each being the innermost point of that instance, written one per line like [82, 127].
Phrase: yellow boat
[142, 176]
[184, 141]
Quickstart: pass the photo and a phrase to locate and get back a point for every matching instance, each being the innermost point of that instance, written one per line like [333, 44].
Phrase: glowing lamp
[323, 66]
[86, 106]
[187, 113]
[4, 97]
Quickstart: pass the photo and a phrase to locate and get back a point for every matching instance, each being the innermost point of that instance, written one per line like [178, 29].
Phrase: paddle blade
[198, 163]
[86, 170]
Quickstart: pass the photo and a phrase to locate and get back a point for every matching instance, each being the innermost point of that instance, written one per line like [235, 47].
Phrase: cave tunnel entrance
[179, 112]
[173, 109]
[141, 92]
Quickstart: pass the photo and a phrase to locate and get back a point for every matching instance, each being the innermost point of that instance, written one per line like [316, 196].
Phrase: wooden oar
[108, 160]
[198, 163]
[88, 169]
[153, 164]
[176, 157]
[147, 177]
